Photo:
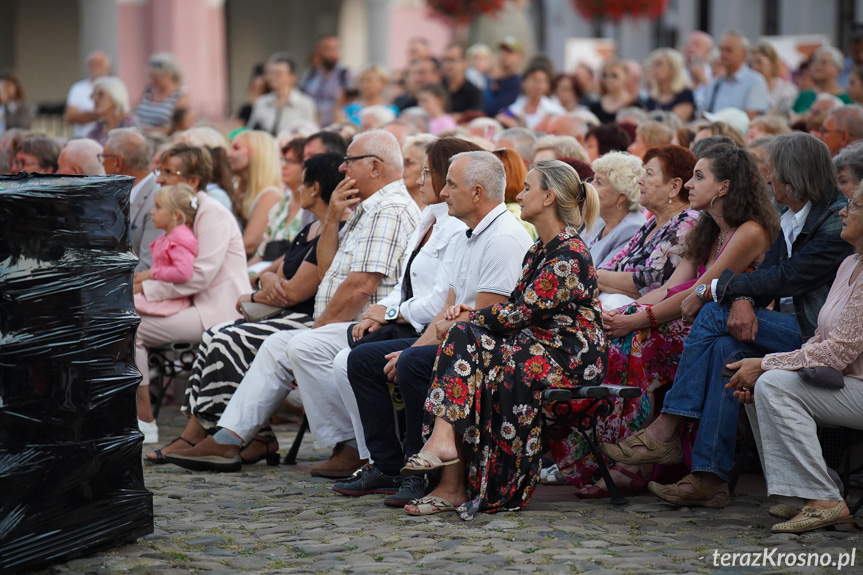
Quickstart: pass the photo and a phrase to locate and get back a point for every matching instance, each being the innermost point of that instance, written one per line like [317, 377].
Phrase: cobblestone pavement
[281, 520]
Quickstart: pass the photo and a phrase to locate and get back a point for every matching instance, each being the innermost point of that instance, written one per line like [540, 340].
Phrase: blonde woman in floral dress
[484, 408]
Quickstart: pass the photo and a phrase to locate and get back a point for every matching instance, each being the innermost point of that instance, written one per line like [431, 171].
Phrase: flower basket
[463, 11]
[618, 9]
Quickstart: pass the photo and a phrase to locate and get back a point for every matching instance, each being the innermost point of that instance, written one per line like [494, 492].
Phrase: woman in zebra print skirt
[226, 351]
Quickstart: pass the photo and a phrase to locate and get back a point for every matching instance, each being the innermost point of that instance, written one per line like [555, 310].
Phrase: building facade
[217, 42]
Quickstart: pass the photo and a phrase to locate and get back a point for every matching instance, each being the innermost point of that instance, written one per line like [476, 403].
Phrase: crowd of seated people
[475, 244]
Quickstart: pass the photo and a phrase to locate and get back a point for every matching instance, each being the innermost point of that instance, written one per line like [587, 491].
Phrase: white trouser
[154, 331]
[264, 387]
[784, 419]
[332, 411]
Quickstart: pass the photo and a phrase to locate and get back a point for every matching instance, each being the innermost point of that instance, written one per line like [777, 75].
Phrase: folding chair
[586, 418]
[169, 360]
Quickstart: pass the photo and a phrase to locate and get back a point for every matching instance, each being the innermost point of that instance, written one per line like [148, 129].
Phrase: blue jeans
[699, 388]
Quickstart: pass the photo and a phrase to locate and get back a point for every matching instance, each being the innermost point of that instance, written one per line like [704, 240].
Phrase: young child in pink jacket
[174, 252]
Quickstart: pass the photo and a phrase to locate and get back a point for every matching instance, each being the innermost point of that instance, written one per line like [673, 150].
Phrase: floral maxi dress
[491, 370]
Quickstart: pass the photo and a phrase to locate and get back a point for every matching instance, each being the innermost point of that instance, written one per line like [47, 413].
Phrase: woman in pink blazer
[218, 279]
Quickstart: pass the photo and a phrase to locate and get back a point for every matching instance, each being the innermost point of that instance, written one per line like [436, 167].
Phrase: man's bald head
[98, 64]
[81, 157]
[699, 44]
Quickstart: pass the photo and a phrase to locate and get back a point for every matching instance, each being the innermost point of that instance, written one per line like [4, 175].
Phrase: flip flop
[425, 462]
[160, 457]
[431, 505]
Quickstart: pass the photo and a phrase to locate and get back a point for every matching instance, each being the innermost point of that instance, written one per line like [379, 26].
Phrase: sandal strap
[702, 487]
[425, 460]
[184, 440]
[623, 471]
[639, 439]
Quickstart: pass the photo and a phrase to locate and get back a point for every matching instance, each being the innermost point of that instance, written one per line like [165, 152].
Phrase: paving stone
[501, 524]
[208, 540]
[280, 520]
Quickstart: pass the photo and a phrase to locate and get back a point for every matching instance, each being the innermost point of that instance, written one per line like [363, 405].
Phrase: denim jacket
[806, 276]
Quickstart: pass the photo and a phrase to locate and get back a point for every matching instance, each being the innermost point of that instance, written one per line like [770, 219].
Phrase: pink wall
[194, 31]
[407, 23]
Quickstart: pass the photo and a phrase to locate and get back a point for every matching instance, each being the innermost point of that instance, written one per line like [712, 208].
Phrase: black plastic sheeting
[71, 478]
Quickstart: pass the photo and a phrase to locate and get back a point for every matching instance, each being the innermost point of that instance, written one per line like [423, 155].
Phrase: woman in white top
[534, 104]
[254, 160]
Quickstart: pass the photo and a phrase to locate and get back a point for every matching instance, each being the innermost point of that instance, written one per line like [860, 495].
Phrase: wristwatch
[392, 313]
[701, 293]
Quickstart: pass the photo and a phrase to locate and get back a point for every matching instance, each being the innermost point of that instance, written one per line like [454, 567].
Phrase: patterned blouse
[838, 341]
[652, 260]
[556, 308]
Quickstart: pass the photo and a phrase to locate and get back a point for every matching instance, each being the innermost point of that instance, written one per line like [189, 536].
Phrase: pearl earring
[669, 201]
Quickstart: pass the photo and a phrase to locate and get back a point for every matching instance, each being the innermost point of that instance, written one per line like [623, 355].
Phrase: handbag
[823, 376]
[255, 311]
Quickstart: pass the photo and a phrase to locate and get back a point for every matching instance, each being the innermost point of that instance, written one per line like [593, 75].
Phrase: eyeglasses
[424, 175]
[348, 159]
[285, 162]
[101, 157]
[853, 205]
[157, 172]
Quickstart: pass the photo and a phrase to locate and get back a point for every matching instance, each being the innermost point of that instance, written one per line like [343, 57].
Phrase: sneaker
[366, 480]
[150, 431]
[412, 487]
[552, 476]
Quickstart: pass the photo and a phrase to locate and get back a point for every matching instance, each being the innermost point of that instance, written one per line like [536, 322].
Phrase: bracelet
[652, 318]
[252, 297]
[747, 298]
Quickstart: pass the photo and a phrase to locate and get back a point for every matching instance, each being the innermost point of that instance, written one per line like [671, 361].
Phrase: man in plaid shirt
[360, 265]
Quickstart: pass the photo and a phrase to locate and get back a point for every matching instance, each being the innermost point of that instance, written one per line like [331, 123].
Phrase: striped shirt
[157, 114]
[373, 240]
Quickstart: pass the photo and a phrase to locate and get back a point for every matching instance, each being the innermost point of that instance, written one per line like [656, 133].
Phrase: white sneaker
[150, 431]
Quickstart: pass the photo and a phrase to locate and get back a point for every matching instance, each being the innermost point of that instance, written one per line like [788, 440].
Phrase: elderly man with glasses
[126, 153]
[361, 263]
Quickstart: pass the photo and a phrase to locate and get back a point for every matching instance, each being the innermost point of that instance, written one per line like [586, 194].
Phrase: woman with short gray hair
[616, 176]
[111, 103]
[825, 66]
[849, 168]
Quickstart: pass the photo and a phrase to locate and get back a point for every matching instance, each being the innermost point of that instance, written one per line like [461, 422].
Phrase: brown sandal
[658, 452]
[272, 457]
[703, 494]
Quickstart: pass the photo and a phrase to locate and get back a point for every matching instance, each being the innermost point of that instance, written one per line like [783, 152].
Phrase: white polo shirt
[490, 259]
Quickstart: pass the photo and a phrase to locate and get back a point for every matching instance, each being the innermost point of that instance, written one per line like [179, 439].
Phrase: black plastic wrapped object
[71, 480]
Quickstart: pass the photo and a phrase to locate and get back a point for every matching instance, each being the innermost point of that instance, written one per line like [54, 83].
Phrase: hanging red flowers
[463, 11]
[618, 9]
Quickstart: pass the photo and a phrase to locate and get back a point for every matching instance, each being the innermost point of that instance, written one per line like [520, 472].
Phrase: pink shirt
[174, 255]
[838, 341]
[173, 261]
[441, 123]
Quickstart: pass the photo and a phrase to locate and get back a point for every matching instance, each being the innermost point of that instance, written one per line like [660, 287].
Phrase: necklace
[722, 238]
